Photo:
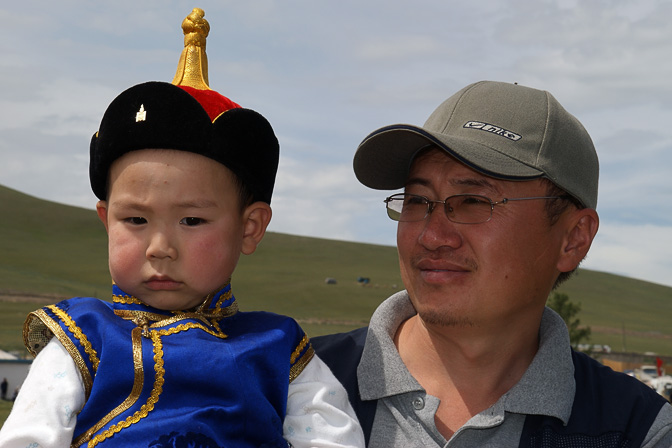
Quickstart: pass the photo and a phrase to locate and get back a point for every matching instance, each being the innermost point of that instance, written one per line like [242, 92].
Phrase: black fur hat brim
[159, 115]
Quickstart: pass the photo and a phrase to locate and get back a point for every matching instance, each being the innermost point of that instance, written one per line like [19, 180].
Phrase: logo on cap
[141, 115]
[492, 129]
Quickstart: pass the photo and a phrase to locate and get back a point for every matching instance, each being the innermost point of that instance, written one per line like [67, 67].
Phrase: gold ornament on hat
[192, 69]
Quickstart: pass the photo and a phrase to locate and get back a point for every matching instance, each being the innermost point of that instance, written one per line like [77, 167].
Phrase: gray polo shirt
[405, 412]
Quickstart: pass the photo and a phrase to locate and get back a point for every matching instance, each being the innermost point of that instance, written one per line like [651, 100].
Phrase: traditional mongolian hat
[187, 115]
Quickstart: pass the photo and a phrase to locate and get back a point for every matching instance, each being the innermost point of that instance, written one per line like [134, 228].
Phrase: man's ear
[256, 218]
[101, 209]
[582, 227]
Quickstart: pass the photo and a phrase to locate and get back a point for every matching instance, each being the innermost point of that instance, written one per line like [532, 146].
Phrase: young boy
[184, 177]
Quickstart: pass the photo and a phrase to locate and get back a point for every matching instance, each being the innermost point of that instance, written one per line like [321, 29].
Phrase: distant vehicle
[598, 348]
[663, 385]
[649, 372]
[595, 348]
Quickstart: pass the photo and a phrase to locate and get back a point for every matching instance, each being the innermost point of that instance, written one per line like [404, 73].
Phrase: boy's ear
[582, 228]
[256, 218]
[101, 209]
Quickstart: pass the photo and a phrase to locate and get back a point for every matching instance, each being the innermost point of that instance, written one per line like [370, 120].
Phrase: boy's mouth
[162, 283]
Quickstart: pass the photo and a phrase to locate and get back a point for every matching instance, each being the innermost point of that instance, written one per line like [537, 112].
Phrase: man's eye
[190, 221]
[136, 220]
[472, 200]
[415, 200]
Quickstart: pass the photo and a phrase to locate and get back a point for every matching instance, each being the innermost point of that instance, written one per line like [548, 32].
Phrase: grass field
[5, 407]
[51, 251]
[59, 251]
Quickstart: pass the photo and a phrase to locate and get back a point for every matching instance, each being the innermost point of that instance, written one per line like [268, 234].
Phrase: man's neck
[467, 368]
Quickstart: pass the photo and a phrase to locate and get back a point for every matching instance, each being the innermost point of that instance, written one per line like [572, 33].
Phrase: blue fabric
[214, 387]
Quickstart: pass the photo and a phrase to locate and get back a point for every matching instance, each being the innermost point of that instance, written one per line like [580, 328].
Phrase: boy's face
[175, 227]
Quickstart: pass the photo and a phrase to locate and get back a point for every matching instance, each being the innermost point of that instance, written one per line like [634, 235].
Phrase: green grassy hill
[49, 251]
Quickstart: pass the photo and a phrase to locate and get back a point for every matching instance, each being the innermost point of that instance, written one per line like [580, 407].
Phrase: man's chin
[444, 319]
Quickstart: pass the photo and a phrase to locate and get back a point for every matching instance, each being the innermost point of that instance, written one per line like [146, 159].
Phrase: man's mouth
[440, 265]
[440, 270]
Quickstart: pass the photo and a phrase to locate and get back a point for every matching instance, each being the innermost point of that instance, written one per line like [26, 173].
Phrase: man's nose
[439, 231]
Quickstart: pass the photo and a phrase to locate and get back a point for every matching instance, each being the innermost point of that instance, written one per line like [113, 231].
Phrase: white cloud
[398, 47]
[58, 107]
[598, 54]
[328, 73]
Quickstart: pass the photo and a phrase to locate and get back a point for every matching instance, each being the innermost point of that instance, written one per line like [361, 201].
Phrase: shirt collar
[549, 380]
[543, 389]
[379, 350]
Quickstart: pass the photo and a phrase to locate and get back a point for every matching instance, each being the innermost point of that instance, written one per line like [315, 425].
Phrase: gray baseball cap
[502, 130]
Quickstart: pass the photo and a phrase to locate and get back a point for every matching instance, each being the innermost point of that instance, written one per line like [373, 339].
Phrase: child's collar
[220, 303]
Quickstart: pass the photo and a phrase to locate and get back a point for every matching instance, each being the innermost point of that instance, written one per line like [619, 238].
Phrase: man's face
[477, 274]
[174, 225]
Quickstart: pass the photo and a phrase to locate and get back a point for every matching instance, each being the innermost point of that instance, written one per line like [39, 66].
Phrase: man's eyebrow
[474, 182]
[459, 182]
[417, 181]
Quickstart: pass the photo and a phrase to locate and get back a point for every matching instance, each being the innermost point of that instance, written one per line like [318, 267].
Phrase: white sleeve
[45, 411]
[319, 413]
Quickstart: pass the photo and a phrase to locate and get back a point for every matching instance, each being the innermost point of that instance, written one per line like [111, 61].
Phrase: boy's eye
[190, 221]
[136, 220]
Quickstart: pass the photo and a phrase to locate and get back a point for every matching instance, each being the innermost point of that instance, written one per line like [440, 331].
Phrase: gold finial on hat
[192, 69]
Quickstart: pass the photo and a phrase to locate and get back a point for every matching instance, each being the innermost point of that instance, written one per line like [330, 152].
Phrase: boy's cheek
[123, 250]
[119, 234]
[125, 268]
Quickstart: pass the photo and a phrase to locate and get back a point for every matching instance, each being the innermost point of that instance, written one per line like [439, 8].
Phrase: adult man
[468, 355]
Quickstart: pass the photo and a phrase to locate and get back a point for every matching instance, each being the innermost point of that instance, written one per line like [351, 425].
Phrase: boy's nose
[160, 246]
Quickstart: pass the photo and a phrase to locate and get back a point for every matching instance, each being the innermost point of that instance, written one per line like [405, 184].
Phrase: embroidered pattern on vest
[149, 325]
[138, 383]
[304, 352]
[153, 397]
[40, 327]
[151, 331]
[77, 333]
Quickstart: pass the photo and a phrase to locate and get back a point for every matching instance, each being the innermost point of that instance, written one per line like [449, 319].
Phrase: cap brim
[383, 159]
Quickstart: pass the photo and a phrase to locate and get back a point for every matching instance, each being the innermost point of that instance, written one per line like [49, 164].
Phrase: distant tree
[568, 310]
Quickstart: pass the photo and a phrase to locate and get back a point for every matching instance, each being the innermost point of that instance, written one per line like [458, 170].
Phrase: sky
[327, 73]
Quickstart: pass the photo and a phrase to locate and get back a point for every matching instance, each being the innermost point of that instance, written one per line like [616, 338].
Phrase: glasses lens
[394, 206]
[406, 207]
[469, 209]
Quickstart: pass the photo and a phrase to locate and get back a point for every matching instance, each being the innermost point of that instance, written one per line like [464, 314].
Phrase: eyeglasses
[459, 208]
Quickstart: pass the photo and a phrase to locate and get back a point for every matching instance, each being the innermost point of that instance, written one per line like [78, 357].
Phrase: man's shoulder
[600, 379]
[609, 409]
[599, 386]
[331, 343]
[341, 351]
[607, 400]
